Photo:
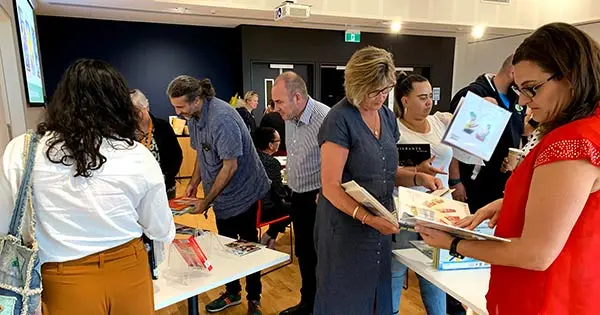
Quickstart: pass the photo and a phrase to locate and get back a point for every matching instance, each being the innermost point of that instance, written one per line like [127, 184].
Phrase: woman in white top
[95, 191]
[413, 95]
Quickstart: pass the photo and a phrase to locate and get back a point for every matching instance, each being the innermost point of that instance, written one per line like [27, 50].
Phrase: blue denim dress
[353, 269]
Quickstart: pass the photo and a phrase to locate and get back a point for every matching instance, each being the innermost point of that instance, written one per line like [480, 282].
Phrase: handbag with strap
[20, 268]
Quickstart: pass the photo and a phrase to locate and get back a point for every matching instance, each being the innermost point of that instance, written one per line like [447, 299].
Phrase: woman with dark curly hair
[95, 191]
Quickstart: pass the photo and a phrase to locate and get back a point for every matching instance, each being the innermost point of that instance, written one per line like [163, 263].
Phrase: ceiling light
[478, 31]
[395, 27]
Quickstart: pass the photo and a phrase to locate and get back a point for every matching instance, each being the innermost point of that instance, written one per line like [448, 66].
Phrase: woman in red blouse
[551, 209]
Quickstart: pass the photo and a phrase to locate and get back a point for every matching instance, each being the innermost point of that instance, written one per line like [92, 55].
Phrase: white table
[226, 268]
[467, 286]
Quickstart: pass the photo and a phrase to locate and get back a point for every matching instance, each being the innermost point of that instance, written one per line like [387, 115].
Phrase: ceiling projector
[292, 10]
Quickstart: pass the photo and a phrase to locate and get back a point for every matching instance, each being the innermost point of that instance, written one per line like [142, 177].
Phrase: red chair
[260, 225]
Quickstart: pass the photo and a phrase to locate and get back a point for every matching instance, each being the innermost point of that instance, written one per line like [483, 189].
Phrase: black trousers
[303, 213]
[243, 227]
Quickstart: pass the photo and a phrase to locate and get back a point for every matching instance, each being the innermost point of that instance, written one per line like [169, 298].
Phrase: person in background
[158, 137]
[358, 142]
[413, 95]
[272, 119]
[226, 162]
[303, 117]
[96, 191]
[275, 204]
[250, 104]
[551, 205]
[484, 184]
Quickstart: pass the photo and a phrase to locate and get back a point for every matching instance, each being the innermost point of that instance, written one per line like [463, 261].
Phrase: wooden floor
[280, 289]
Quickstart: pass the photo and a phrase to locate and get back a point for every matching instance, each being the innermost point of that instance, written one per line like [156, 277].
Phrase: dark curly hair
[566, 52]
[90, 105]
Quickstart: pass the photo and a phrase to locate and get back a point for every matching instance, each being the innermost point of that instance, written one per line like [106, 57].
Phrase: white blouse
[438, 123]
[77, 216]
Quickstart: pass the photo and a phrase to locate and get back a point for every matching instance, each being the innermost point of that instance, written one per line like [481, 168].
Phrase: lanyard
[147, 141]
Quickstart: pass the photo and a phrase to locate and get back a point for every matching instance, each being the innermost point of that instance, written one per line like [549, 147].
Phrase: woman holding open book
[358, 142]
[552, 200]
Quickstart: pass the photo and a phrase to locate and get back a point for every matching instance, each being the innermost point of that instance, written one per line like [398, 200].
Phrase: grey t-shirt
[220, 134]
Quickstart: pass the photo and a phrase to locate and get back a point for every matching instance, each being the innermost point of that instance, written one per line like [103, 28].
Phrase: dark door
[264, 75]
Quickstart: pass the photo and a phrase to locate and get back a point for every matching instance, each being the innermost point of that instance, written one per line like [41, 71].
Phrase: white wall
[12, 94]
[472, 59]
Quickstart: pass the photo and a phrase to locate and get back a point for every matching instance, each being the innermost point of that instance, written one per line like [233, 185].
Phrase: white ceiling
[419, 17]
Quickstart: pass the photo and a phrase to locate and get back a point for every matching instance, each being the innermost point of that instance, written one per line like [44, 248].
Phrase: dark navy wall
[149, 55]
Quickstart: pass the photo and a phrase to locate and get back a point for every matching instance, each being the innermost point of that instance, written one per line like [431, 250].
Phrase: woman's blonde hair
[249, 95]
[368, 70]
[139, 99]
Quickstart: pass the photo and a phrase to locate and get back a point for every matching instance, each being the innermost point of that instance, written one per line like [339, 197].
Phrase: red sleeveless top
[571, 285]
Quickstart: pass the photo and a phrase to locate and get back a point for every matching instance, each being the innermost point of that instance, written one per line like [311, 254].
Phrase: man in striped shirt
[303, 117]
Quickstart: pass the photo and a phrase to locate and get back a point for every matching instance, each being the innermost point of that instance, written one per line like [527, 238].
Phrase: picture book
[476, 126]
[413, 154]
[435, 212]
[182, 205]
[442, 260]
[362, 196]
[191, 253]
[243, 248]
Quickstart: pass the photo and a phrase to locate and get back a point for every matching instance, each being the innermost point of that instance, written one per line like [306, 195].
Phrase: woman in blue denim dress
[358, 142]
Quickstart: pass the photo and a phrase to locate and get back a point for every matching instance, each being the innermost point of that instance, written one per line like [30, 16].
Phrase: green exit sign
[352, 36]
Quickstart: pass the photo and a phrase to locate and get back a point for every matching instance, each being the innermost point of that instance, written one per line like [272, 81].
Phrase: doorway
[263, 78]
[332, 83]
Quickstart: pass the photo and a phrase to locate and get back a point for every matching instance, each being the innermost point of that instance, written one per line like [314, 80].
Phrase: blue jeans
[434, 298]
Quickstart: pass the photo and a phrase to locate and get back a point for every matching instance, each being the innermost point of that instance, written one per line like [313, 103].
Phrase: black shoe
[300, 309]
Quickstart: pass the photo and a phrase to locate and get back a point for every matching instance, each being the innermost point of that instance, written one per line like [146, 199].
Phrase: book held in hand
[413, 154]
[476, 128]
[362, 196]
[182, 205]
[243, 248]
[191, 253]
[435, 212]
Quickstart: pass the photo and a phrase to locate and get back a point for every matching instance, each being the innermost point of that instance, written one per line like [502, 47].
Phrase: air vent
[497, 1]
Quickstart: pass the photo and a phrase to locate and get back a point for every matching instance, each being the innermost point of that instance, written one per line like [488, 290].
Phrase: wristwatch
[453, 246]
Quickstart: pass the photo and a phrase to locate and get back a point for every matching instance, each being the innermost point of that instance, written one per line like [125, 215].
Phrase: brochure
[435, 212]
[182, 205]
[367, 200]
[476, 127]
[243, 248]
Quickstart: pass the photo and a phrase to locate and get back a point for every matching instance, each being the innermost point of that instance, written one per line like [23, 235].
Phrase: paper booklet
[475, 129]
[182, 205]
[435, 212]
[243, 248]
[367, 200]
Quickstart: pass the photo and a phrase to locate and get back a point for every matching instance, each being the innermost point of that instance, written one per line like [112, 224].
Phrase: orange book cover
[191, 252]
[182, 205]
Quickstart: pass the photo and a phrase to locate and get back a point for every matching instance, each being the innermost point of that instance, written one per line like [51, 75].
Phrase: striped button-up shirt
[303, 152]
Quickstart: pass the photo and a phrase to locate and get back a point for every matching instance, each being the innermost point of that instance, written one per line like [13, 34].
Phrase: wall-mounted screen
[30, 55]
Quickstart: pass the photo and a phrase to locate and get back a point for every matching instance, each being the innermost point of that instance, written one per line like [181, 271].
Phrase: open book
[367, 200]
[436, 213]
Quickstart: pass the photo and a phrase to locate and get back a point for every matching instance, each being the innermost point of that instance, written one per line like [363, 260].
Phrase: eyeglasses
[384, 91]
[531, 92]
